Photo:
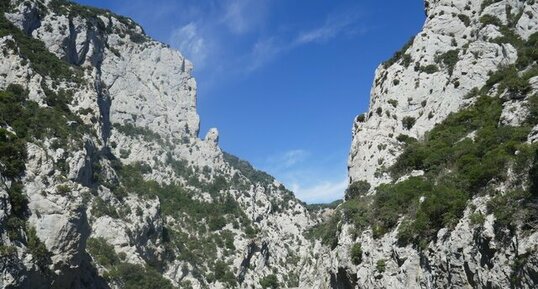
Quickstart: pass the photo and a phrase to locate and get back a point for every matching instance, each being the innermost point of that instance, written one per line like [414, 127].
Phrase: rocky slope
[443, 166]
[105, 183]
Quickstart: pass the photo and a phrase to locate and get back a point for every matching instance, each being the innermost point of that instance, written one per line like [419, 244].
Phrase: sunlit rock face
[452, 55]
[132, 189]
[435, 74]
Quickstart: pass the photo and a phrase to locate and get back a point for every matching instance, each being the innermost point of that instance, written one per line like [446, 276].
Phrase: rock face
[452, 55]
[439, 72]
[131, 189]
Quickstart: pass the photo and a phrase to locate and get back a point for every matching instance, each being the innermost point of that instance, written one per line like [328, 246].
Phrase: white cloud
[322, 192]
[191, 43]
[313, 180]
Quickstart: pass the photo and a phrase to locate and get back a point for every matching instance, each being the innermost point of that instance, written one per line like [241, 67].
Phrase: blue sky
[282, 80]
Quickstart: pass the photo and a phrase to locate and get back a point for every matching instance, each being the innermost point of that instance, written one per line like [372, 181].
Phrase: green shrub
[477, 218]
[7, 251]
[130, 276]
[465, 19]
[357, 212]
[405, 139]
[269, 281]
[508, 78]
[102, 252]
[254, 175]
[379, 111]
[472, 93]
[398, 55]
[508, 216]
[449, 59]
[357, 189]
[518, 269]
[356, 253]
[12, 154]
[63, 189]
[490, 19]
[327, 231]
[380, 266]
[528, 52]
[216, 223]
[406, 60]
[408, 122]
[101, 208]
[392, 201]
[18, 200]
[38, 250]
[393, 102]
[429, 69]
[533, 175]
[228, 237]
[129, 129]
[223, 274]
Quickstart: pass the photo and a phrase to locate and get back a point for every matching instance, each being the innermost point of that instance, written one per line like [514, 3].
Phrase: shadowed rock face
[342, 280]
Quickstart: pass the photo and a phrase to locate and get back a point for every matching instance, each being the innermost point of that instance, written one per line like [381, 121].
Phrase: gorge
[105, 182]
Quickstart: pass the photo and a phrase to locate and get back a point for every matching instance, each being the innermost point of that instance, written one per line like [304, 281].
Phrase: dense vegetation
[22, 121]
[129, 276]
[355, 252]
[34, 52]
[269, 281]
[71, 9]
[248, 171]
[457, 167]
[205, 220]
[469, 154]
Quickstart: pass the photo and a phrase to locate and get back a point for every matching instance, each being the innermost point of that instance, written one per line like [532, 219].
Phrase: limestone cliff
[437, 199]
[105, 182]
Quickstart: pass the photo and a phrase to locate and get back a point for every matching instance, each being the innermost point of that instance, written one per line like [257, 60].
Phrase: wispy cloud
[267, 49]
[264, 51]
[334, 25]
[191, 43]
[242, 16]
[287, 159]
